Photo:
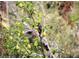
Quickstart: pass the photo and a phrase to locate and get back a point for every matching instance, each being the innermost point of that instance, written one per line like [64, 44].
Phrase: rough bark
[3, 14]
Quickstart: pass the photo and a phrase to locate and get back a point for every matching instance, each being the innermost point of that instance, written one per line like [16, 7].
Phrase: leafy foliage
[61, 37]
[16, 43]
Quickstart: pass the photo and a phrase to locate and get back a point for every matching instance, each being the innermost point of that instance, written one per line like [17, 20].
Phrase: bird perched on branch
[31, 34]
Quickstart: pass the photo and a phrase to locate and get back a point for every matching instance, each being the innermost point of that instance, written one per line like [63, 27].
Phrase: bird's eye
[30, 32]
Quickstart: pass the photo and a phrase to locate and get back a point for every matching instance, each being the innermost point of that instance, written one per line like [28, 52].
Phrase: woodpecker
[31, 34]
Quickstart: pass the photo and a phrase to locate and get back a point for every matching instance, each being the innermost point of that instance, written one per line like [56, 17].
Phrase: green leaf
[74, 17]
[20, 4]
[36, 43]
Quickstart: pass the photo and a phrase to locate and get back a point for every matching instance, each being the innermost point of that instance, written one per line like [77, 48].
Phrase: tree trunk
[3, 14]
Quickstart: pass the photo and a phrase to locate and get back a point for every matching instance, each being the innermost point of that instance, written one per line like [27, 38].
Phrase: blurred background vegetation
[60, 36]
